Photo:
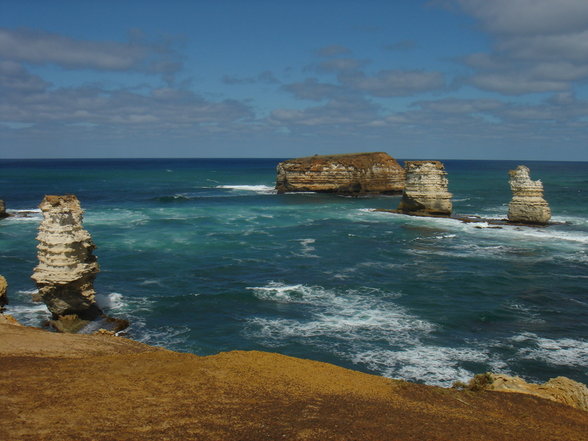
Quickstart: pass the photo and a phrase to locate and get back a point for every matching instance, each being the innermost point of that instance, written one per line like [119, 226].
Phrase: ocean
[202, 256]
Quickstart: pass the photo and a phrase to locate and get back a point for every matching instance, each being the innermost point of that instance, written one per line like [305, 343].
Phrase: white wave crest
[307, 248]
[25, 215]
[26, 210]
[261, 189]
[430, 364]
[351, 319]
[28, 313]
[112, 301]
[561, 352]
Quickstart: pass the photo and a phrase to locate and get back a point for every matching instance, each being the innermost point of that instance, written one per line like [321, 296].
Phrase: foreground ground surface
[76, 387]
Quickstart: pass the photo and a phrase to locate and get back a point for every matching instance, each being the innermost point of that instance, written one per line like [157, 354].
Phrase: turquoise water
[202, 256]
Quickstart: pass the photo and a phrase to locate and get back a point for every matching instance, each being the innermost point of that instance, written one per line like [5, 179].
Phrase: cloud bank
[524, 95]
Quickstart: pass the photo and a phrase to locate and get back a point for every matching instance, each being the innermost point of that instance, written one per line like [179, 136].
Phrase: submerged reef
[527, 205]
[425, 192]
[355, 173]
[67, 267]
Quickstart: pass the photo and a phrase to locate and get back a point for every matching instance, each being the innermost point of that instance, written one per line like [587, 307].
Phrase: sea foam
[261, 189]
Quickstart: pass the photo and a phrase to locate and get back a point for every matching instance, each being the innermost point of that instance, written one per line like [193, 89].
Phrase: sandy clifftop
[74, 387]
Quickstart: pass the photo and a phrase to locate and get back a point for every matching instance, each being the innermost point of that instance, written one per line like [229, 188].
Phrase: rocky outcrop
[425, 191]
[67, 267]
[527, 205]
[3, 293]
[3, 212]
[354, 173]
[559, 389]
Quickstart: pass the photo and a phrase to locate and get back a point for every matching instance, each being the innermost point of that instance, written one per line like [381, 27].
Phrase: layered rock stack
[354, 173]
[3, 212]
[425, 192]
[3, 293]
[67, 267]
[527, 205]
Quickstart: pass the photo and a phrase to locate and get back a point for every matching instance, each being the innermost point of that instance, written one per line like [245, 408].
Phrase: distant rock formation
[3, 293]
[559, 389]
[527, 205]
[425, 191]
[353, 173]
[3, 212]
[67, 268]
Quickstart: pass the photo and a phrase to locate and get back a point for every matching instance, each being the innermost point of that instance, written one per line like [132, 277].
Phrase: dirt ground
[77, 387]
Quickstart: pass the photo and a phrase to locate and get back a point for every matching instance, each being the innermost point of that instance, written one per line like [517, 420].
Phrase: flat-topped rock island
[354, 173]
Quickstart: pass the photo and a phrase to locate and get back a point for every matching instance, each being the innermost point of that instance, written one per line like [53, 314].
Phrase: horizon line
[263, 157]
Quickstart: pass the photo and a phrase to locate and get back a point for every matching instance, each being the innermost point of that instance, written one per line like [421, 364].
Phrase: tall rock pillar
[3, 212]
[425, 190]
[527, 205]
[3, 293]
[67, 268]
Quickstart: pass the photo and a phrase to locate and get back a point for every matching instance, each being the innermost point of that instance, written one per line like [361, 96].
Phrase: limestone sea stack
[67, 267]
[3, 212]
[354, 173]
[3, 293]
[527, 205]
[425, 192]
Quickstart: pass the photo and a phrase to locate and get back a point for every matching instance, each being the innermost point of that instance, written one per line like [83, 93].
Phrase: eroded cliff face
[67, 266]
[527, 205]
[348, 174]
[425, 191]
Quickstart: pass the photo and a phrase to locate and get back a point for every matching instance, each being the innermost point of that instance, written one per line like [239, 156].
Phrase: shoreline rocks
[355, 173]
[425, 192]
[559, 389]
[527, 205]
[67, 267]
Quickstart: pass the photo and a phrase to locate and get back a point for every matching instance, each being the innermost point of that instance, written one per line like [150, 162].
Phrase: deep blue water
[202, 256]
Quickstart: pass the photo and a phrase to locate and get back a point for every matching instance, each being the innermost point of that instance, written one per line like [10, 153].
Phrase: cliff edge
[66, 387]
[353, 173]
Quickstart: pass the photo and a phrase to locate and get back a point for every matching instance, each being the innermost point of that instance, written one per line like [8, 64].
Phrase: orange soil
[76, 387]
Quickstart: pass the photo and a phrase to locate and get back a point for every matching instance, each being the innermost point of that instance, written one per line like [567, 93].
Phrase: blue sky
[441, 79]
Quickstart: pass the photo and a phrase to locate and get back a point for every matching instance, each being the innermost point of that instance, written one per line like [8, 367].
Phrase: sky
[430, 79]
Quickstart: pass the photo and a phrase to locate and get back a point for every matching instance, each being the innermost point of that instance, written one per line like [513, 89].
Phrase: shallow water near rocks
[203, 256]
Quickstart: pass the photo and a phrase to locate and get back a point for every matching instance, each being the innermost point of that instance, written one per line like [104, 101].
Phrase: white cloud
[344, 113]
[529, 17]
[41, 47]
[388, 83]
[28, 99]
[312, 89]
[333, 50]
[265, 77]
[340, 65]
[539, 45]
[403, 45]
[15, 79]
